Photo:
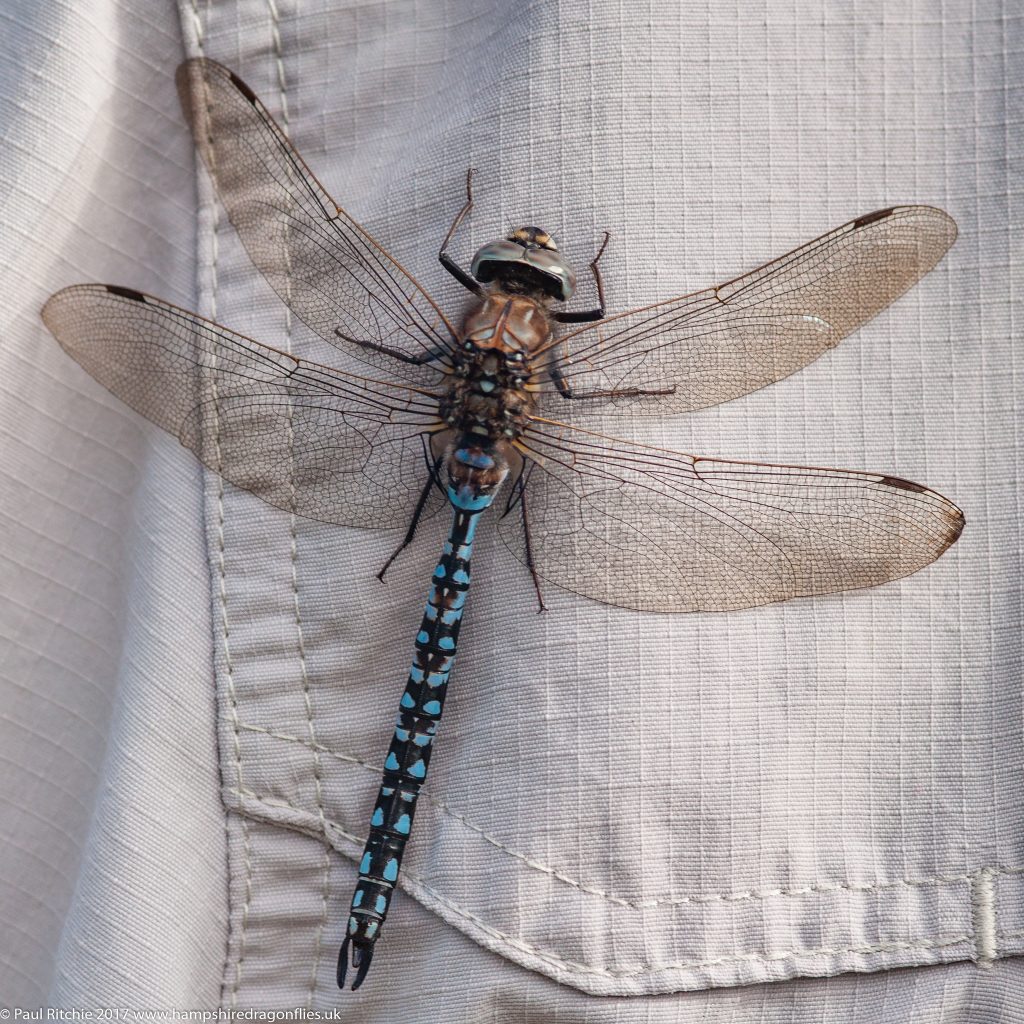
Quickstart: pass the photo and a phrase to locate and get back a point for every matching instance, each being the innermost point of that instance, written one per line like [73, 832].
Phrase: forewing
[718, 344]
[324, 266]
[308, 439]
[658, 530]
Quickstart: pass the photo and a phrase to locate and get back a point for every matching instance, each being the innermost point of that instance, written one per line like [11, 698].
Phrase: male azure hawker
[449, 414]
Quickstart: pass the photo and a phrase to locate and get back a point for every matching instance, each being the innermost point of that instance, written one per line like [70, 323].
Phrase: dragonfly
[496, 407]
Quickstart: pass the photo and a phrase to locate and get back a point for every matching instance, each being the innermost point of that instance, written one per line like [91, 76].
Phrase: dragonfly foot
[361, 957]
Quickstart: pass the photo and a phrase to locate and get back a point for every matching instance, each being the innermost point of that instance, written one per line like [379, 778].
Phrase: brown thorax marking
[490, 396]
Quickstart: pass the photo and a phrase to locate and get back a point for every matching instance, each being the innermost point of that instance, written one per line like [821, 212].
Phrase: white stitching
[294, 555]
[726, 897]
[226, 633]
[433, 895]
[942, 942]
[646, 904]
[983, 907]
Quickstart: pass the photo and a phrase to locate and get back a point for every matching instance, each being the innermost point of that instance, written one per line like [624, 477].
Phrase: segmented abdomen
[409, 754]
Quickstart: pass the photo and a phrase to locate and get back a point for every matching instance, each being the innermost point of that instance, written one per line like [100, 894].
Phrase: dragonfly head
[526, 261]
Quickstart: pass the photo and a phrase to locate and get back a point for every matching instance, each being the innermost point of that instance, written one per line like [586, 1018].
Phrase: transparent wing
[308, 439]
[658, 530]
[323, 265]
[727, 341]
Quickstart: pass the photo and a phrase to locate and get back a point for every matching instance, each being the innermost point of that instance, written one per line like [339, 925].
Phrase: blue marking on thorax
[450, 616]
[423, 637]
[460, 576]
[416, 674]
[476, 459]
[446, 643]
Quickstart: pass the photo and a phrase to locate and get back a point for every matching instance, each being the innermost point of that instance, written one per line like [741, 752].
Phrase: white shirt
[715, 809]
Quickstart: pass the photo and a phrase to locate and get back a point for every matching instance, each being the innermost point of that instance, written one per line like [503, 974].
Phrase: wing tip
[52, 307]
[204, 68]
[935, 212]
[124, 293]
[870, 218]
[955, 527]
[951, 517]
[242, 88]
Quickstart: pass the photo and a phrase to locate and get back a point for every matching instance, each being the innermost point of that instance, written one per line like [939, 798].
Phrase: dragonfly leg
[567, 392]
[466, 280]
[431, 354]
[590, 315]
[432, 481]
[530, 564]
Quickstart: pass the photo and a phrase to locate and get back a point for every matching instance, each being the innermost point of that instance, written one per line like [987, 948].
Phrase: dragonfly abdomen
[474, 476]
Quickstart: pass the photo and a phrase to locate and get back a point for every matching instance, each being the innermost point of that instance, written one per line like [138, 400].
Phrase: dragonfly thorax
[491, 392]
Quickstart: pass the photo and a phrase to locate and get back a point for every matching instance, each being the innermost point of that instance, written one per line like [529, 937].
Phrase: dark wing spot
[125, 293]
[243, 88]
[870, 218]
[955, 529]
[903, 485]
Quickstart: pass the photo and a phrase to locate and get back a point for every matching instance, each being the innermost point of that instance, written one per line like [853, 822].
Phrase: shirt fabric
[804, 812]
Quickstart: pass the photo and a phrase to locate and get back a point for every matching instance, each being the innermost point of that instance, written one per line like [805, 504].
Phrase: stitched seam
[432, 894]
[983, 909]
[646, 904]
[943, 942]
[223, 600]
[737, 897]
[282, 82]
